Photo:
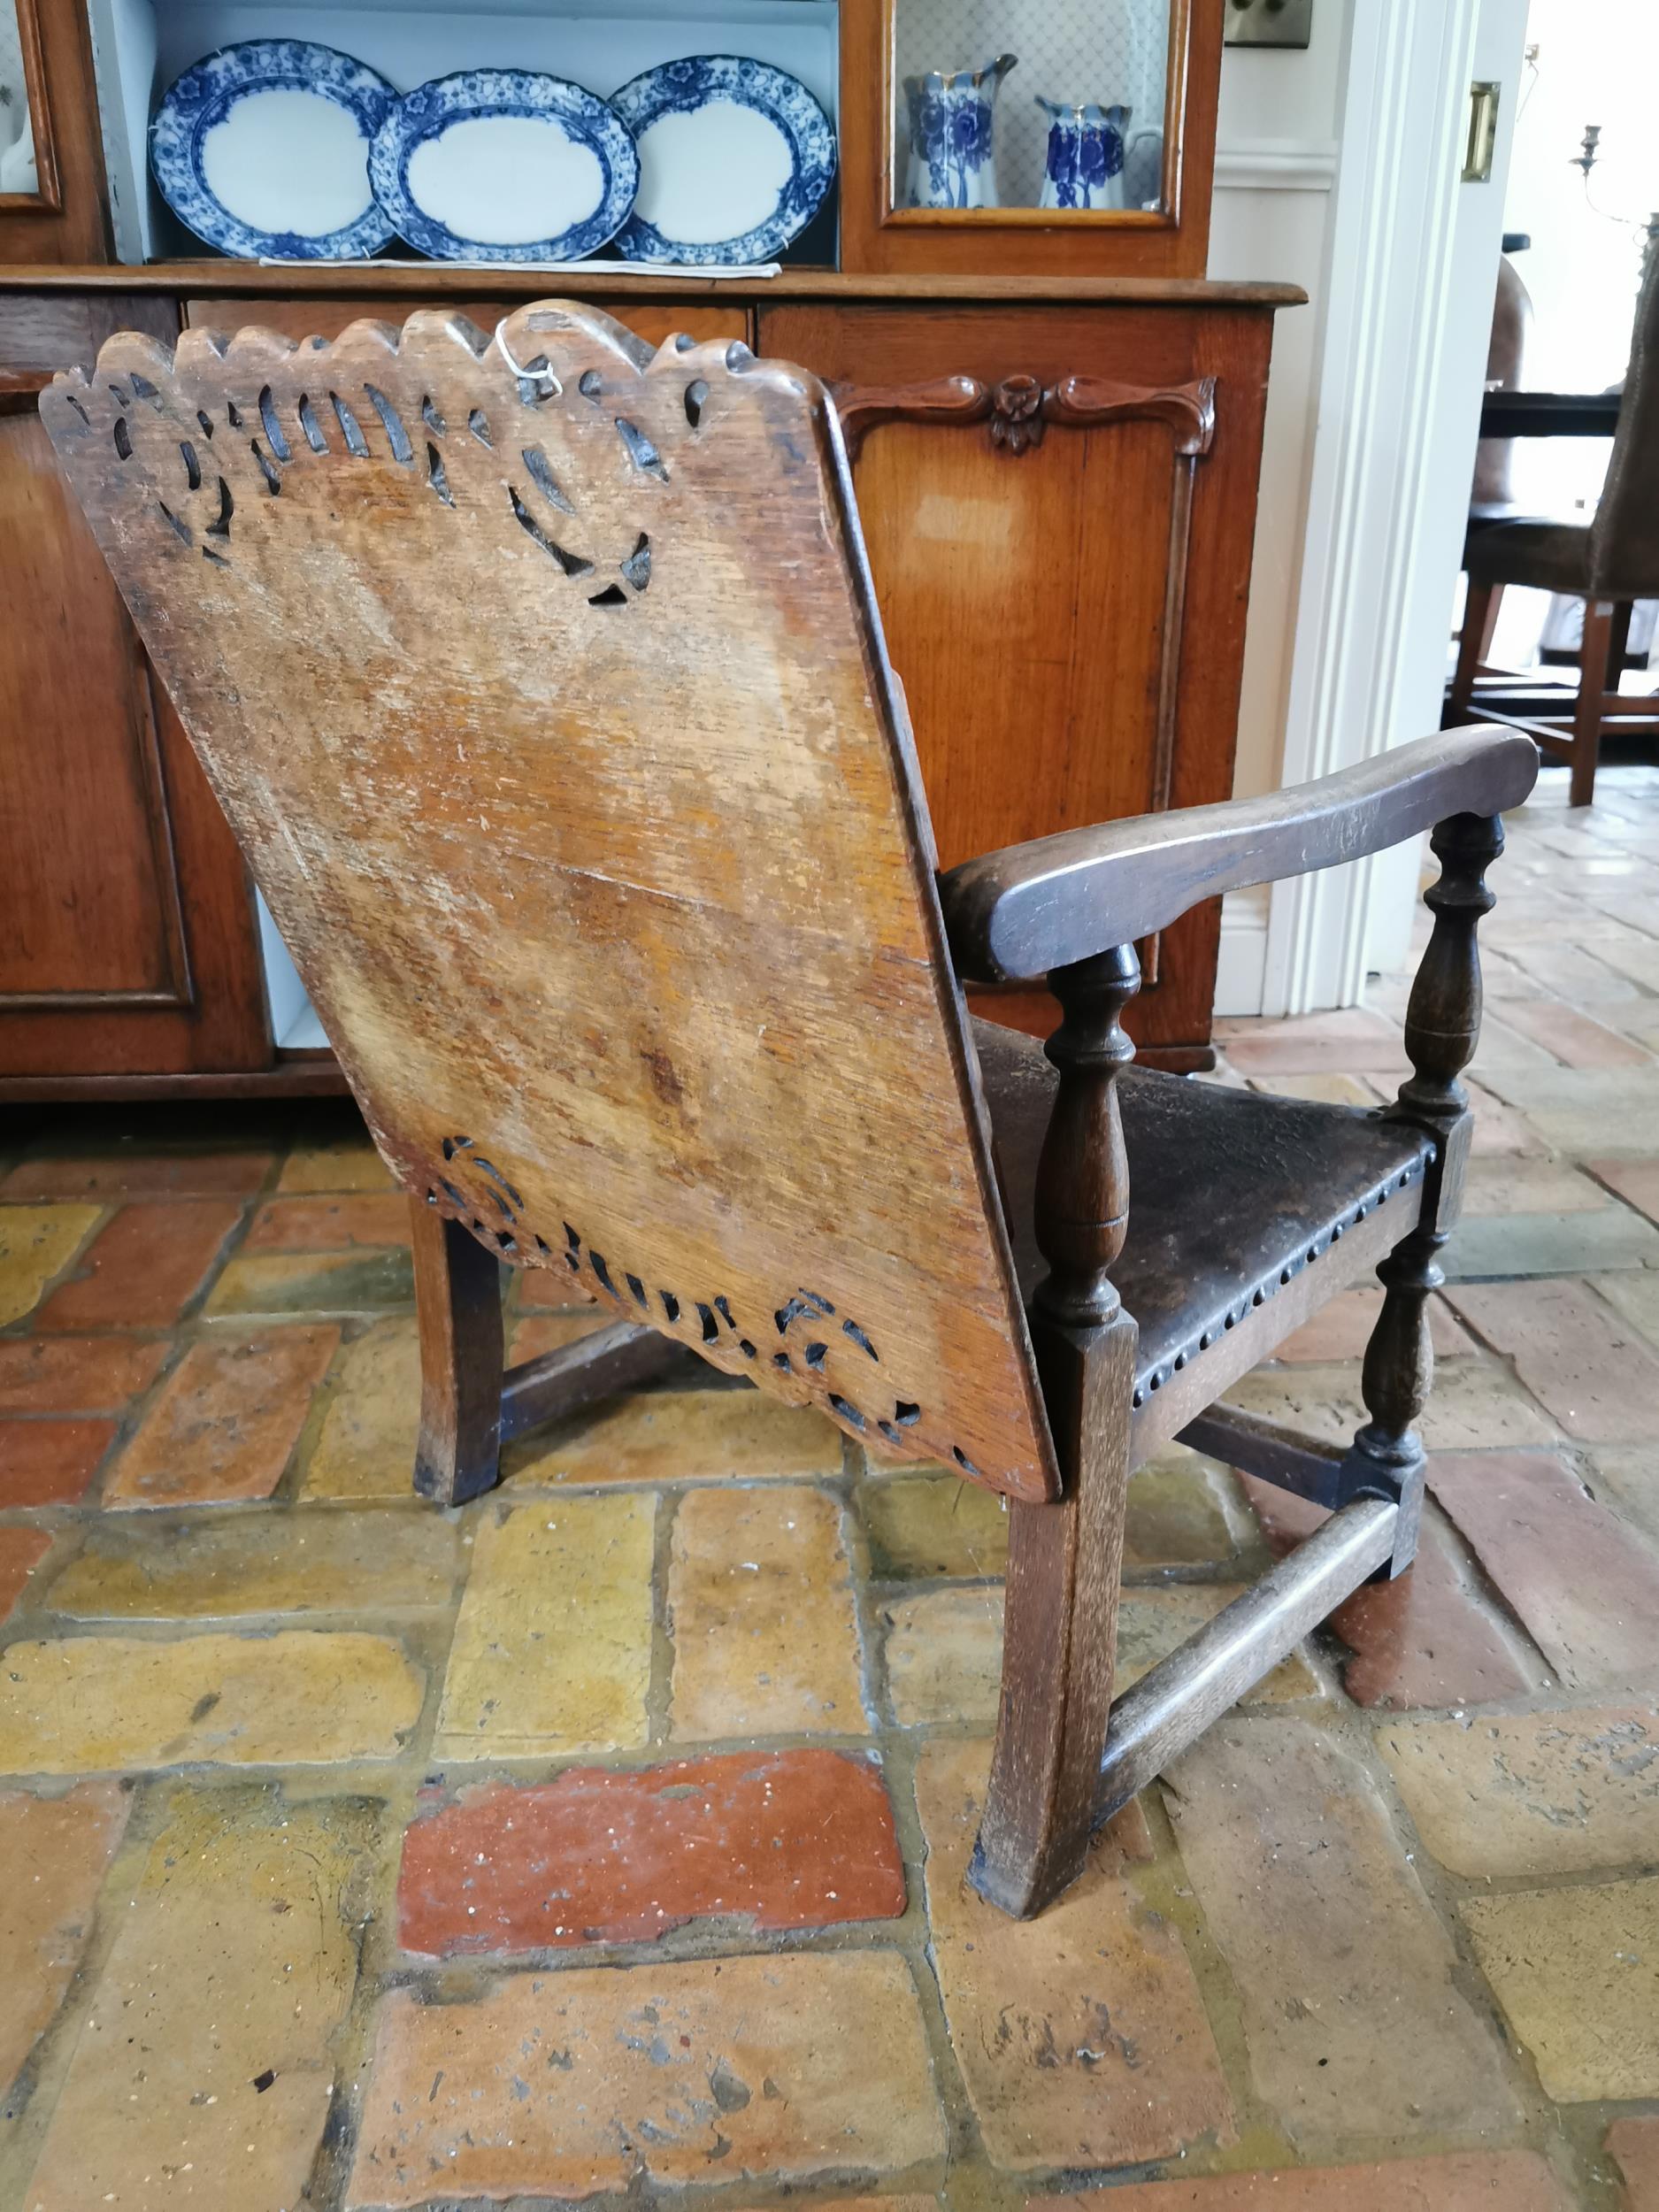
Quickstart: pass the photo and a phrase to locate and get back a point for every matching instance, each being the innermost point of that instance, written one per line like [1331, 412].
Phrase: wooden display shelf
[217, 274]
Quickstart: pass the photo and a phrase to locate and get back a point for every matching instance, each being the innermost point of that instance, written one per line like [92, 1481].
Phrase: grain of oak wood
[523, 743]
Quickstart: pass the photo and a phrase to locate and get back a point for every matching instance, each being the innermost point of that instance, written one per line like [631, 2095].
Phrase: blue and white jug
[1086, 144]
[953, 147]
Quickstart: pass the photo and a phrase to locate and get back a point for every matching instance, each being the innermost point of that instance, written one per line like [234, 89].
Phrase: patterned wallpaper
[17, 137]
[1109, 50]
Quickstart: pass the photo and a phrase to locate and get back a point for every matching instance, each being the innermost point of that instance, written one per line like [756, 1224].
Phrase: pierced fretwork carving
[473, 1192]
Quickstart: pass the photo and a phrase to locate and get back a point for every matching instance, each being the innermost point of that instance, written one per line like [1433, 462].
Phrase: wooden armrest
[1032, 908]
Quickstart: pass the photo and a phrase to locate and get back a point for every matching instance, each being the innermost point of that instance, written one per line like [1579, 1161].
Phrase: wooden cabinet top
[433, 279]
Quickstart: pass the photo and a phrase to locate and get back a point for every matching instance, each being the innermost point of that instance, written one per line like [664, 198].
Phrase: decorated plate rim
[179, 124]
[805, 122]
[522, 92]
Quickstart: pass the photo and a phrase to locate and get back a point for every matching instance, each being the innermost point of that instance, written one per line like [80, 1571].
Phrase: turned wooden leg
[1442, 1029]
[1395, 1382]
[457, 1299]
[1065, 1558]
[1471, 645]
[1593, 656]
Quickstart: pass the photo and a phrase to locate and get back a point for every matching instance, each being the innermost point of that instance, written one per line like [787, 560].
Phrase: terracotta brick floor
[605, 1840]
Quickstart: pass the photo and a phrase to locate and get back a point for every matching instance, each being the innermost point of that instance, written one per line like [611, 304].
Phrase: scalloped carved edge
[549, 332]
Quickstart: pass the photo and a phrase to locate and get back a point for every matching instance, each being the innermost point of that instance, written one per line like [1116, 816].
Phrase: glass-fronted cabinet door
[27, 175]
[1006, 137]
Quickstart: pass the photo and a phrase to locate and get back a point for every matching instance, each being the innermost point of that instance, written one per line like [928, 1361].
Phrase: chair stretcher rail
[1179, 1698]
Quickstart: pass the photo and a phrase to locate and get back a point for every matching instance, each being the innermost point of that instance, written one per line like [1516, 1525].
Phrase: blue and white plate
[263, 149]
[735, 158]
[505, 165]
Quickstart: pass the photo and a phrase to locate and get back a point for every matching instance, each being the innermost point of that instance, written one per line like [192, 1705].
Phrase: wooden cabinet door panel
[127, 942]
[1063, 603]
[1029, 645]
[92, 902]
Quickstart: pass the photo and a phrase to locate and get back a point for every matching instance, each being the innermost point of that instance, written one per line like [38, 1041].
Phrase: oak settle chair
[542, 684]
[1609, 563]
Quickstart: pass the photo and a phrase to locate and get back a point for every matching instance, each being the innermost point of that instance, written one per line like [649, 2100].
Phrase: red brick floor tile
[1582, 1579]
[54, 1852]
[1500, 1183]
[1468, 2181]
[1635, 1181]
[1574, 1037]
[1354, 2021]
[21, 1551]
[1501, 1130]
[1342, 1329]
[329, 1225]
[1430, 1639]
[1532, 1794]
[904, 2202]
[1357, 1042]
[534, 1333]
[51, 1462]
[563, 2084]
[142, 1267]
[226, 1420]
[1578, 1358]
[133, 1174]
[1633, 2142]
[779, 1839]
[202, 2077]
[87, 1374]
[1080, 2034]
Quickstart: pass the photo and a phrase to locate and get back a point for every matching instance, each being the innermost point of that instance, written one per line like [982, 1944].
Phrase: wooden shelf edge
[221, 277]
[293, 1075]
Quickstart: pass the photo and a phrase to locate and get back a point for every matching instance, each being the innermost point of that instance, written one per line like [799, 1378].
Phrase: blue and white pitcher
[953, 148]
[1086, 144]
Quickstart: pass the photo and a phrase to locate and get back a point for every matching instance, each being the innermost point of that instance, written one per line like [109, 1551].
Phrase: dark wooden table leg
[458, 1297]
[1596, 673]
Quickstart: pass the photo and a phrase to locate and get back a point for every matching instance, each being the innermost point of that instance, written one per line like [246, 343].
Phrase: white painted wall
[1370, 430]
[1276, 161]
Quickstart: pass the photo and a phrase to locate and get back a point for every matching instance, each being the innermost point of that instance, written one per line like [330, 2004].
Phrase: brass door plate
[1483, 131]
[1269, 22]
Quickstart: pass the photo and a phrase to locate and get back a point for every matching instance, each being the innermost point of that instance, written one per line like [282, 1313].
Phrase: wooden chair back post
[1624, 533]
[542, 685]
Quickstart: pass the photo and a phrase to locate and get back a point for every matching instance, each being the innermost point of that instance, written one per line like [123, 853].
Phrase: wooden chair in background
[1609, 563]
[542, 684]
[1491, 494]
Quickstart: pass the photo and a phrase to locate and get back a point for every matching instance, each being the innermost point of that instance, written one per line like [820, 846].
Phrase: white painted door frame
[1407, 312]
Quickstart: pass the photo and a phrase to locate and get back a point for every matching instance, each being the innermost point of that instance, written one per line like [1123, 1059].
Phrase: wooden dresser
[1057, 476]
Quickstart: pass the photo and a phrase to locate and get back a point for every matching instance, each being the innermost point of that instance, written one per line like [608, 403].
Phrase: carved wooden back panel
[553, 716]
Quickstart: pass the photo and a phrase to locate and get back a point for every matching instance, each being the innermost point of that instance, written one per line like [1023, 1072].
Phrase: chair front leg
[457, 1300]
[1442, 1030]
[1066, 1559]
[1060, 1628]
